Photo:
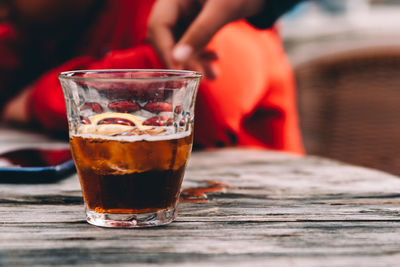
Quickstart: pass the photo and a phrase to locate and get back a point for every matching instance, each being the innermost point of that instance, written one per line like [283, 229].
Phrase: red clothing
[251, 103]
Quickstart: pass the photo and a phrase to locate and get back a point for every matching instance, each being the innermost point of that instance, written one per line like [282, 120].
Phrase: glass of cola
[131, 134]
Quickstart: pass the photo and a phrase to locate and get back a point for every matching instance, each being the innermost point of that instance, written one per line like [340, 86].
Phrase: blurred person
[188, 33]
[248, 101]
[181, 34]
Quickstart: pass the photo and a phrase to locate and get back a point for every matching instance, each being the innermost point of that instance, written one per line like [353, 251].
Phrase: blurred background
[346, 58]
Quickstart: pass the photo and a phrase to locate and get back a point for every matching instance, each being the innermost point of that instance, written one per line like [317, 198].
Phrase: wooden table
[262, 209]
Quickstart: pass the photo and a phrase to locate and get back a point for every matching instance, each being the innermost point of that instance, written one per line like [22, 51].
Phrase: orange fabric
[251, 103]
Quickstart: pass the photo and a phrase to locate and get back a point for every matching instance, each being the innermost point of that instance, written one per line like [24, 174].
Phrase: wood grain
[275, 209]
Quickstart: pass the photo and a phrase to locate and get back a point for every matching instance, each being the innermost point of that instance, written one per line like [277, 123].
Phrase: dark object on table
[33, 165]
[349, 106]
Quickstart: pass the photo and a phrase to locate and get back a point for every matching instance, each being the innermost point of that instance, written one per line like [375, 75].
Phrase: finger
[211, 18]
[208, 55]
[206, 59]
[160, 27]
[203, 63]
[209, 70]
[163, 42]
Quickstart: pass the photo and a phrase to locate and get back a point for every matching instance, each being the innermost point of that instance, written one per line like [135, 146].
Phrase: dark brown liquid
[130, 177]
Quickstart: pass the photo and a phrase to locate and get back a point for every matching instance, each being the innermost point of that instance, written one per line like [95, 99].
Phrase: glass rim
[181, 75]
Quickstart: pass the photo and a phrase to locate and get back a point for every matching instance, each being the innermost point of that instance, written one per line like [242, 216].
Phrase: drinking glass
[131, 134]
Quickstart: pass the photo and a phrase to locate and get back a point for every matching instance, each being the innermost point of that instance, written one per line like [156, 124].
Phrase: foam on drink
[166, 134]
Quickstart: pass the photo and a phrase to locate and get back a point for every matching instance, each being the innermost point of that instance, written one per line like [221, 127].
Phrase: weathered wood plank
[230, 243]
[272, 209]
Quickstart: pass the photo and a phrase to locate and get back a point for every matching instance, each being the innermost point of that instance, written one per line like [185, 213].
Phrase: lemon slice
[112, 129]
[87, 129]
[106, 129]
[115, 115]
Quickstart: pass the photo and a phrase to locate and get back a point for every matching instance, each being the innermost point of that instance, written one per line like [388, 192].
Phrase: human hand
[181, 29]
[16, 110]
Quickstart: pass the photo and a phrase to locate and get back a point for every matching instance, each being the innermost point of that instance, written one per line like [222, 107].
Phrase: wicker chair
[349, 106]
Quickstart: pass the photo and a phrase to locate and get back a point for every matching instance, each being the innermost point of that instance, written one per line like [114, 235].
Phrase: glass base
[158, 218]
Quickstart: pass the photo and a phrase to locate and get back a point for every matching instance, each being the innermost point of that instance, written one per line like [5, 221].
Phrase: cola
[131, 133]
[131, 174]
